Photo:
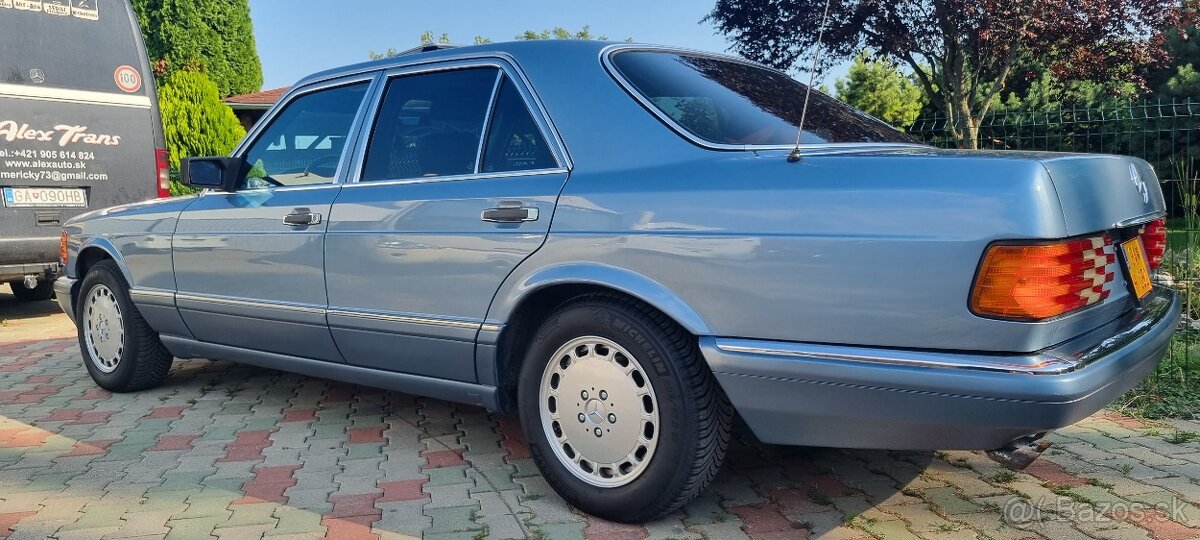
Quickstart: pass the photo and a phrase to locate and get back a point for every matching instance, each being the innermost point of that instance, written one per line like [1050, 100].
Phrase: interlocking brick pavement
[229, 451]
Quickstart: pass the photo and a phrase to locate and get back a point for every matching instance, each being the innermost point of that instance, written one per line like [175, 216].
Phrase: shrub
[214, 36]
[195, 121]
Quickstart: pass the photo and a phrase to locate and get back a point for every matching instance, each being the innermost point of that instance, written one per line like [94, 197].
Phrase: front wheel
[121, 352]
[43, 291]
[621, 412]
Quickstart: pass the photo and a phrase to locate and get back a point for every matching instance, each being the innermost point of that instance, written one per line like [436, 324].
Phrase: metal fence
[1161, 132]
[1165, 133]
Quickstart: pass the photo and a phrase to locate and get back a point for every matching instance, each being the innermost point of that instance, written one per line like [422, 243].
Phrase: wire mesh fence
[1164, 133]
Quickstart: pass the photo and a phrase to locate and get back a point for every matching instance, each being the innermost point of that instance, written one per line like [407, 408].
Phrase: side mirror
[220, 173]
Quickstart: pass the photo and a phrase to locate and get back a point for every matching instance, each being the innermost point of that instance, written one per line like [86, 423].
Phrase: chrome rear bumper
[819, 395]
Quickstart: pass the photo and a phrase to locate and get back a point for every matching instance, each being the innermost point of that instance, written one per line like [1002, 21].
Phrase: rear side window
[305, 141]
[514, 141]
[734, 103]
[73, 44]
[430, 125]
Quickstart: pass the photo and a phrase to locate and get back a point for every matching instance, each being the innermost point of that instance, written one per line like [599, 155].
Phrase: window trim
[611, 51]
[486, 130]
[348, 150]
[505, 70]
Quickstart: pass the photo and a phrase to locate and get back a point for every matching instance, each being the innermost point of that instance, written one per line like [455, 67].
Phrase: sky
[299, 37]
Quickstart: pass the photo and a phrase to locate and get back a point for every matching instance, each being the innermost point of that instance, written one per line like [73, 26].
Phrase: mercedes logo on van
[1136, 178]
[37, 76]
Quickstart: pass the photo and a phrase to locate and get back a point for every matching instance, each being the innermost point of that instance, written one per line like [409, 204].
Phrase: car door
[456, 187]
[249, 265]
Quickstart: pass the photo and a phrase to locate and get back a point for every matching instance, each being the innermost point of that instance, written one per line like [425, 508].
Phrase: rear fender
[520, 287]
[516, 289]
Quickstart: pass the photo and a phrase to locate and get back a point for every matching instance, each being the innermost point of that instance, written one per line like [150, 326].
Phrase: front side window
[734, 103]
[304, 143]
[430, 125]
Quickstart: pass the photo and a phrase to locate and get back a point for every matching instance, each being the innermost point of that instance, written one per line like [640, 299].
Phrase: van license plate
[1139, 269]
[27, 197]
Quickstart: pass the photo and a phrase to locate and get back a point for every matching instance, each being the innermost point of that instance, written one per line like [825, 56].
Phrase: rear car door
[457, 186]
[249, 264]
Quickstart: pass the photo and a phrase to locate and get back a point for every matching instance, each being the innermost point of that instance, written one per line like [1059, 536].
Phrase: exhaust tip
[1020, 453]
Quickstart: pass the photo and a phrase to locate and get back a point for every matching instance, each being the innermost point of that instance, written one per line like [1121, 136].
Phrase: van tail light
[1039, 281]
[63, 240]
[1154, 239]
[164, 172]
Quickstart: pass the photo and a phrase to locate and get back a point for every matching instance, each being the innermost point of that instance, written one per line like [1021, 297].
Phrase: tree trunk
[956, 88]
[967, 129]
[964, 125]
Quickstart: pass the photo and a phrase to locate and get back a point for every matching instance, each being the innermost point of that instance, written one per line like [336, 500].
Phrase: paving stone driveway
[238, 452]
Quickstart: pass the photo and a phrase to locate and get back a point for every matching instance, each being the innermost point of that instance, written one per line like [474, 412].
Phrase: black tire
[44, 291]
[143, 360]
[694, 433]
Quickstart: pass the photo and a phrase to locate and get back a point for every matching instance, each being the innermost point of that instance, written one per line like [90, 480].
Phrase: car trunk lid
[1102, 193]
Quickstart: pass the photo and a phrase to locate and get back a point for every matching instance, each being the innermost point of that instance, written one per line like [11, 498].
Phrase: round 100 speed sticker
[128, 79]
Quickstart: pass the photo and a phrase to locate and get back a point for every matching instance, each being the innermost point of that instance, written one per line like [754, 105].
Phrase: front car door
[250, 264]
[456, 187]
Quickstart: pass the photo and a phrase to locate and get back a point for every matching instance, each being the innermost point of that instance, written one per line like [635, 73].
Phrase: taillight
[1154, 239]
[1040, 281]
[62, 248]
[164, 172]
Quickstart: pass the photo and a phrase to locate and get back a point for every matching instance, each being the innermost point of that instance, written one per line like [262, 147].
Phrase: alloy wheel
[599, 411]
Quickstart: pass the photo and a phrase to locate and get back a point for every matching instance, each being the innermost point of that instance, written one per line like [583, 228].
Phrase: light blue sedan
[611, 241]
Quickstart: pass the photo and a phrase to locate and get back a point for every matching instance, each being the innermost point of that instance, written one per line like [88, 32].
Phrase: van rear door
[79, 124]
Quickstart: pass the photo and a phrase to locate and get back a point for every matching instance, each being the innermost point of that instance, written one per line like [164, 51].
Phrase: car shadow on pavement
[340, 458]
[237, 451]
[11, 309]
[31, 321]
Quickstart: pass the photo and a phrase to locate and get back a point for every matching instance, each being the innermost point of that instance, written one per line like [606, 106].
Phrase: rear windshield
[71, 44]
[734, 103]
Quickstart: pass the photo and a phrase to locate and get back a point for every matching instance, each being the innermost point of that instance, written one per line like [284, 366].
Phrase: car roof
[570, 52]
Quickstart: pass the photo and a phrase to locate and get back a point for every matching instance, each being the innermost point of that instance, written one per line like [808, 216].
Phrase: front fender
[520, 286]
[103, 244]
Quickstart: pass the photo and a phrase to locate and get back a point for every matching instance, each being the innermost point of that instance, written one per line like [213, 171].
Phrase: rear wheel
[621, 412]
[121, 352]
[43, 291]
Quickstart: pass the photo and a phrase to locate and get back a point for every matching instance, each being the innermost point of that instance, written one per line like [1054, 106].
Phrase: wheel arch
[520, 307]
[94, 251]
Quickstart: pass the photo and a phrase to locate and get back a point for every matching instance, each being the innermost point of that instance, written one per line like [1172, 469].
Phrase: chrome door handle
[509, 212]
[302, 217]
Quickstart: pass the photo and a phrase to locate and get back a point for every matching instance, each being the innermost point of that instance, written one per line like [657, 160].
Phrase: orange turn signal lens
[62, 248]
[1040, 281]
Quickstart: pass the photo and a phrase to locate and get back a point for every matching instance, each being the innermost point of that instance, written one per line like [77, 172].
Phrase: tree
[961, 51]
[1184, 84]
[1034, 86]
[195, 120]
[213, 36]
[879, 89]
[557, 32]
[1179, 80]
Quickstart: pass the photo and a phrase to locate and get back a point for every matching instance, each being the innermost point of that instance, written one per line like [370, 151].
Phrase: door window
[430, 125]
[304, 143]
[514, 141]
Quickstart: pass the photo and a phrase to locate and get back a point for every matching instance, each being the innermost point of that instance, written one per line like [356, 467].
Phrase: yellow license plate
[1139, 269]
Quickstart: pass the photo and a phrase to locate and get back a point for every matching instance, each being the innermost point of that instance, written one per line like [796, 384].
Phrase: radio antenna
[812, 76]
